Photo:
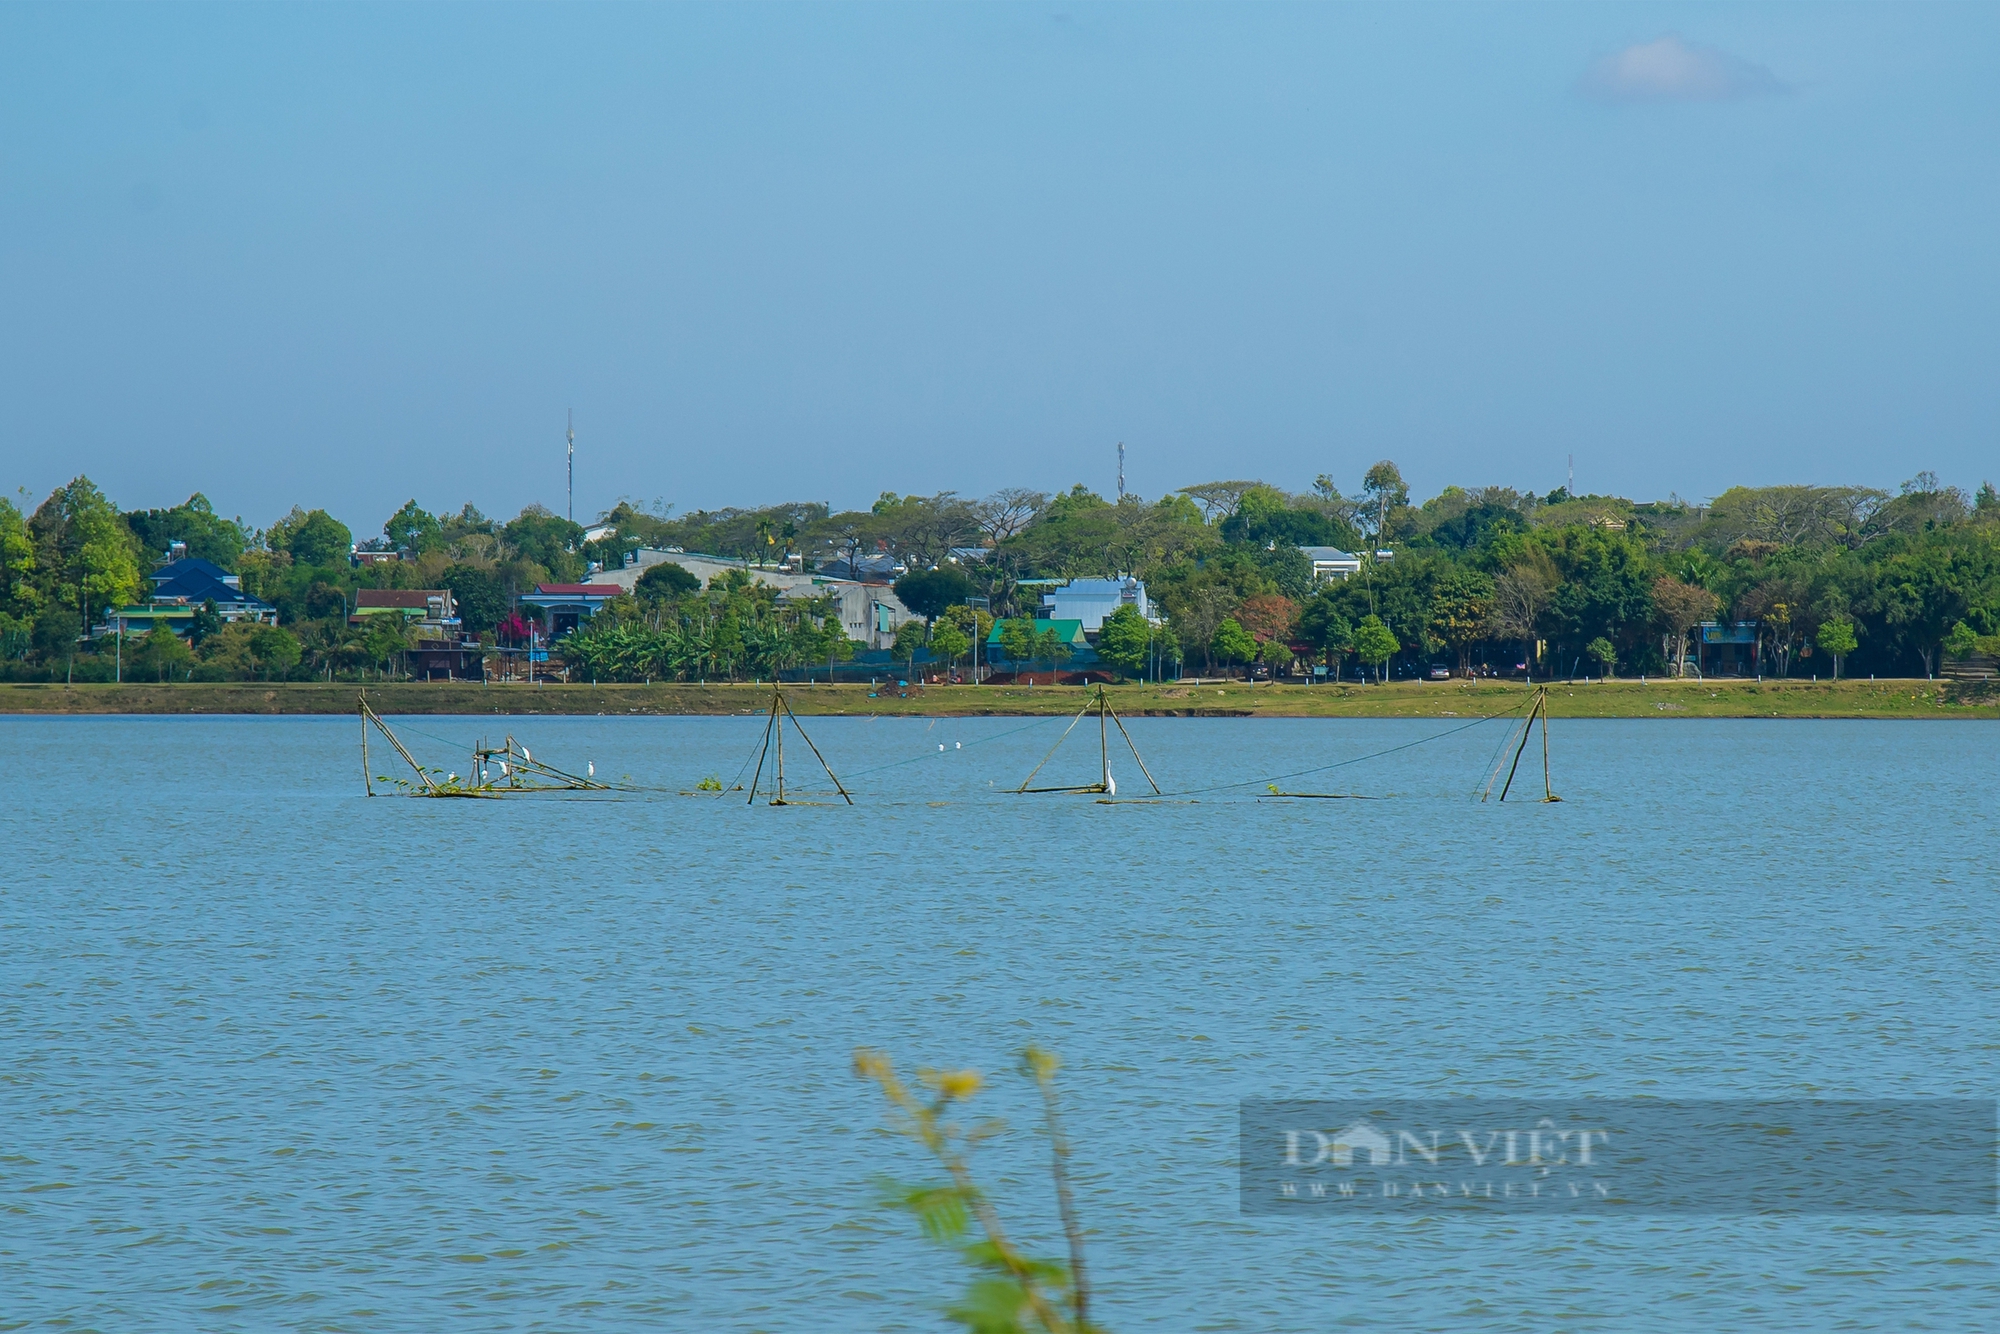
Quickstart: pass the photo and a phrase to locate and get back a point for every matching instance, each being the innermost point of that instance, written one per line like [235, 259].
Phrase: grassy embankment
[1617, 699]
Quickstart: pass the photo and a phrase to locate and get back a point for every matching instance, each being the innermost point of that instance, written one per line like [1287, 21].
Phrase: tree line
[1484, 578]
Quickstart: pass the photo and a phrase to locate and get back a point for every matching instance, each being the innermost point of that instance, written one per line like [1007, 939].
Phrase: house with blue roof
[181, 587]
[1089, 601]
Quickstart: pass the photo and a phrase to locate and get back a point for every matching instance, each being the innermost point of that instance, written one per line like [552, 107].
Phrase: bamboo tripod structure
[1540, 709]
[1105, 783]
[774, 735]
[520, 770]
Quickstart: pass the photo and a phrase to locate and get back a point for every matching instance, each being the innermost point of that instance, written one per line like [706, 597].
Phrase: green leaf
[991, 1306]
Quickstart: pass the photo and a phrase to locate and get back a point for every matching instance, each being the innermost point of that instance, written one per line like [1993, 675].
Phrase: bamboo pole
[1135, 754]
[408, 759]
[776, 700]
[1548, 792]
[1527, 730]
[1052, 753]
[816, 755]
[763, 752]
[1104, 739]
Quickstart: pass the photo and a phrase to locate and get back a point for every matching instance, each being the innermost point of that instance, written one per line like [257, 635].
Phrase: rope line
[1342, 764]
[1012, 731]
[1047, 720]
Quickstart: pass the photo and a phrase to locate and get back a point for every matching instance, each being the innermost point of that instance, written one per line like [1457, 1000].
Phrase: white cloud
[1671, 70]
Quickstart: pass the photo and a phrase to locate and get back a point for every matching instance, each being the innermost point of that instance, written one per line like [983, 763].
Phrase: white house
[1332, 563]
[1091, 600]
[870, 612]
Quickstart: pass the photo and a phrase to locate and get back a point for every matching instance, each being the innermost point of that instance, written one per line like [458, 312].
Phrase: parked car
[1440, 674]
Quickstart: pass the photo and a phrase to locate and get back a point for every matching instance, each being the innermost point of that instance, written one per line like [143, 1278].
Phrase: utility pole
[1121, 470]
[1570, 486]
[572, 465]
[973, 604]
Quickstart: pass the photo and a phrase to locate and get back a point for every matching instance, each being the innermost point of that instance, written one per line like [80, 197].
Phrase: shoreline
[1404, 699]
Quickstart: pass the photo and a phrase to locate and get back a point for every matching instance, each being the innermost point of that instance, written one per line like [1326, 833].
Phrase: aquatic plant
[1009, 1292]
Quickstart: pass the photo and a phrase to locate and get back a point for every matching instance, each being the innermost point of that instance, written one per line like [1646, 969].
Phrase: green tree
[1276, 655]
[207, 622]
[725, 643]
[1231, 643]
[1374, 644]
[1125, 640]
[18, 595]
[1052, 648]
[311, 537]
[929, 592]
[55, 634]
[412, 528]
[85, 549]
[208, 536]
[1604, 653]
[976, 622]
[666, 582]
[1384, 495]
[275, 651]
[1681, 607]
[482, 602]
[1461, 612]
[385, 642]
[1017, 641]
[949, 642]
[1322, 625]
[161, 652]
[1267, 515]
[1922, 590]
[249, 650]
[545, 538]
[1836, 636]
[910, 636]
[1605, 589]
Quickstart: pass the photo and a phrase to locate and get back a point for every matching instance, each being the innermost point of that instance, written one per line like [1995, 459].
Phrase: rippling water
[281, 1057]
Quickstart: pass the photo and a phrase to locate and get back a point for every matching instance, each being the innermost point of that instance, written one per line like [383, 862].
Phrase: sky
[346, 256]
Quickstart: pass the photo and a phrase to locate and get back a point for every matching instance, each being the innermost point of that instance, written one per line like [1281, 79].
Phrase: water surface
[278, 1056]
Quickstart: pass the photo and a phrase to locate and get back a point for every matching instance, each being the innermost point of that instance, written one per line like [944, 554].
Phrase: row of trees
[670, 629]
[77, 555]
[1489, 577]
[1493, 578]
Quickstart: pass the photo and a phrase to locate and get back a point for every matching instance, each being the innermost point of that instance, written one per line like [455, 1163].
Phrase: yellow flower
[952, 1085]
[1040, 1063]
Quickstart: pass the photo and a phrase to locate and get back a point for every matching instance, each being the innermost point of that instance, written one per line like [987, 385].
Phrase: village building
[869, 611]
[1332, 563]
[183, 585]
[432, 606]
[1089, 601]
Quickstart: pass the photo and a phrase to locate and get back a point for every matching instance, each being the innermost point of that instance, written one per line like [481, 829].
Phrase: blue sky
[347, 255]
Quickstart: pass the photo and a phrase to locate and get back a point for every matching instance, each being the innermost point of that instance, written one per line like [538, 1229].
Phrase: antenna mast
[571, 417]
[1571, 487]
[1121, 470]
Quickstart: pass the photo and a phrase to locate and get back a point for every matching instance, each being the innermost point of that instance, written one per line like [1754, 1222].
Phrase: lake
[281, 1057]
